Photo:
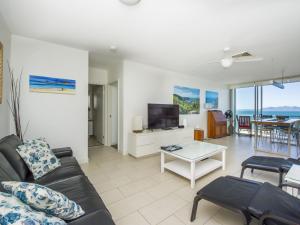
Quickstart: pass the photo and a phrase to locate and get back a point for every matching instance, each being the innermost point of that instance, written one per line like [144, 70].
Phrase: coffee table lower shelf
[202, 168]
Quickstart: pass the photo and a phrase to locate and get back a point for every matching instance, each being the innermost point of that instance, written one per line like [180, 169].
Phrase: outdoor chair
[262, 201]
[244, 123]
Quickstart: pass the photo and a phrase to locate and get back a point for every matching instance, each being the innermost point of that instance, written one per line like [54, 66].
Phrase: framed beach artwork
[44, 84]
[188, 99]
[211, 99]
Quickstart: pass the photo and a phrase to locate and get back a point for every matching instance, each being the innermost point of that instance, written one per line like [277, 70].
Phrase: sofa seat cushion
[272, 164]
[80, 190]
[69, 168]
[99, 217]
[8, 146]
[270, 198]
[230, 192]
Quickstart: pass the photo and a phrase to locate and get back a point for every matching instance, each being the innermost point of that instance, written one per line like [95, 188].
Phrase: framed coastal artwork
[211, 99]
[45, 84]
[1, 72]
[188, 99]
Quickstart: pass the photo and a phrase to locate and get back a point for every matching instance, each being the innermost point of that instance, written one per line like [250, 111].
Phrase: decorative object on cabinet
[198, 134]
[184, 122]
[216, 124]
[137, 124]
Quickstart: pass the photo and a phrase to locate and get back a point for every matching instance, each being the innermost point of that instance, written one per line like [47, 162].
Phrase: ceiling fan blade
[248, 59]
[241, 54]
[216, 61]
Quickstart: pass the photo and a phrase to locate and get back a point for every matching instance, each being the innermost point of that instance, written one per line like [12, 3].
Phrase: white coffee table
[193, 161]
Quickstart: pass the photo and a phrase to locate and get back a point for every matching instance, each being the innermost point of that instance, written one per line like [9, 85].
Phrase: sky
[272, 96]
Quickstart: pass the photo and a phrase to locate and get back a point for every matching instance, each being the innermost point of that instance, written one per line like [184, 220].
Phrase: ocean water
[40, 82]
[291, 114]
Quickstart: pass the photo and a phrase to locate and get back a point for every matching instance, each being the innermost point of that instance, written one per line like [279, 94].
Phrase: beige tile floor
[136, 193]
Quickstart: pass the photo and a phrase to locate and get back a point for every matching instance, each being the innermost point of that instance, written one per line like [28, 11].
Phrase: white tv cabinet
[149, 142]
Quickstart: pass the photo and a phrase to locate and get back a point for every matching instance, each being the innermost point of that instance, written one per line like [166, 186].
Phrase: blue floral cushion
[44, 199]
[15, 212]
[38, 157]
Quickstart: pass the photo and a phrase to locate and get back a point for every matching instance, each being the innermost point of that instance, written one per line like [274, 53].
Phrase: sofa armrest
[285, 219]
[63, 152]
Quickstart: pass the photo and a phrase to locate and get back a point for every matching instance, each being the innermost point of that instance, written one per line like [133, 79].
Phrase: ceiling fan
[240, 57]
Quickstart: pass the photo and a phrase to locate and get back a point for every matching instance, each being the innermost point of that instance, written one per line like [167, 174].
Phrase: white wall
[62, 119]
[97, 76]
[143, 84]
[5, 38]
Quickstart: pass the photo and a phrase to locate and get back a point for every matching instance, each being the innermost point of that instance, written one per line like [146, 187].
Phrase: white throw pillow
[44, 199]
[38, 157]
[15, 212]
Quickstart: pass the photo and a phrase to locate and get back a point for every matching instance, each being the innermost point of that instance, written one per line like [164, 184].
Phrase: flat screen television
[163, 116]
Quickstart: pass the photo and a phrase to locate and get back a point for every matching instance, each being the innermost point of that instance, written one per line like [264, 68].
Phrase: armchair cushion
[230, 192]
[272, 199]
[272, 164]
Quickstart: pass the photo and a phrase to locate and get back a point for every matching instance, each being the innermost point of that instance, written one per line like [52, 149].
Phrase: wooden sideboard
[216, 124]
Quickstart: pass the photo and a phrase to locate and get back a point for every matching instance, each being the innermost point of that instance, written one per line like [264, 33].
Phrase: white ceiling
[180, 35]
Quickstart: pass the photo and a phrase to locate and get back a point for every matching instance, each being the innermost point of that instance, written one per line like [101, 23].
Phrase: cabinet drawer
[146, 150]
[145, 140]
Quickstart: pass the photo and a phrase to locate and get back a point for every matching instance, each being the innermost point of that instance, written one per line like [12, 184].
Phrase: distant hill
[283, 108]
[279, 109]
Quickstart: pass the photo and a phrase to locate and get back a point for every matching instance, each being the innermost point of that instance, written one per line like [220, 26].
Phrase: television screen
[163, 116]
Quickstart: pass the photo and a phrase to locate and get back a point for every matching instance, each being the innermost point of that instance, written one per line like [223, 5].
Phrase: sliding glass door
[245, 101]
[274, 112]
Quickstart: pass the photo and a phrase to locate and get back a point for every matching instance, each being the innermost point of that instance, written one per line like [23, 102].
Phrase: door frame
[104, 111]
[108, 135]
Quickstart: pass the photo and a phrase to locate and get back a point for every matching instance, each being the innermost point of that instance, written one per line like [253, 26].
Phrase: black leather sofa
[68, 179]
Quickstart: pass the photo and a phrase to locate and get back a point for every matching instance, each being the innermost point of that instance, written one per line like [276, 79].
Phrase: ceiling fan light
[130, 2]
[227, 62]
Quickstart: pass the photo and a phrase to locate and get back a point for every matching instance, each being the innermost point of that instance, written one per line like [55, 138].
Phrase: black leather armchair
[263, 201]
